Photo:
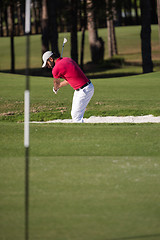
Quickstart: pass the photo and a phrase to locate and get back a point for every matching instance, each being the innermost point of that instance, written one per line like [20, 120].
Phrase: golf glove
[55, 91]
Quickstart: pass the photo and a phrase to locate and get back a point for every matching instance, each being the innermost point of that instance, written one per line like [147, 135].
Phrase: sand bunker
[112, 119]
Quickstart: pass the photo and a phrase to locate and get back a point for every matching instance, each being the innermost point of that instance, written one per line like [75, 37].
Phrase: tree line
[49, 17]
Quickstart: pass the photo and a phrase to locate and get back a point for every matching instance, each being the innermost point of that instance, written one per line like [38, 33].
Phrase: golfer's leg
[75, 108]
[80, 102]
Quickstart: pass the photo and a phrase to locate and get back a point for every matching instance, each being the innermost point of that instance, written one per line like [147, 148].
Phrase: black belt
[84, 85]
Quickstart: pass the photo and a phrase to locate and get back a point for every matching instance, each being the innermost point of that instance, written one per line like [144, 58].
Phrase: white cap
[45, 57]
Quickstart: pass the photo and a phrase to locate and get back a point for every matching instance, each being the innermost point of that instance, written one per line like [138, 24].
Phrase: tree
[34, 13]
[84, 22]
[153, 12]
[1, 19]
[96, 43]
[45, 30]
[158, 13]
[49, 26]
[53, 33]
[136, 12]
[73, 18]
[112, 43]
[19, 14]
[119, 12]
[146, 36]
[11, 33]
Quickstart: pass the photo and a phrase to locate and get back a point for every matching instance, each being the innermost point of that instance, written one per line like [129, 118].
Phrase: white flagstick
[26, 117]
[64, 41]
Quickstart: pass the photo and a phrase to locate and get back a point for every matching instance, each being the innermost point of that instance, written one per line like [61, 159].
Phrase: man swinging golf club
[69, 70]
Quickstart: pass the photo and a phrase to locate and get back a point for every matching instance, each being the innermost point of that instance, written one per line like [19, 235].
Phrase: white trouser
[80, 101]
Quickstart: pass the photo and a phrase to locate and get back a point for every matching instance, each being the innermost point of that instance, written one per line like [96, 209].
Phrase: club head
[65, 40]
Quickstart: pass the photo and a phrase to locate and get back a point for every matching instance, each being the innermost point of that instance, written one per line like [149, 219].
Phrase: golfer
[69, 70]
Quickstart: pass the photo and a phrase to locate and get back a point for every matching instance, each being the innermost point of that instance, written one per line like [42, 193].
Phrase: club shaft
[62, 50]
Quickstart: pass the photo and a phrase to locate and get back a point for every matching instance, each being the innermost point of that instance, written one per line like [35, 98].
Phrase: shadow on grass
[92, 71]
[96, 71]
[137, 237]
[111, 75]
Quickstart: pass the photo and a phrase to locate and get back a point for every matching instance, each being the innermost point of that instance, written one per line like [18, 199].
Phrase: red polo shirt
[69, 70]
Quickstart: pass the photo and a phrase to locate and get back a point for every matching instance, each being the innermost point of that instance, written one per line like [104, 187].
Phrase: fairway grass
[87, 181]
[89, 198]
[82, 139]
[124, 96]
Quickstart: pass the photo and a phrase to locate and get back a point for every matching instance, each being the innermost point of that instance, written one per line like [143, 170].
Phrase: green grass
[136, 95]
[93, 181]
[87, 181]
[82, 140]
[128, 41]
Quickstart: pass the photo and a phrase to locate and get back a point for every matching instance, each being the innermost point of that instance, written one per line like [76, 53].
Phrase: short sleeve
[55, 73]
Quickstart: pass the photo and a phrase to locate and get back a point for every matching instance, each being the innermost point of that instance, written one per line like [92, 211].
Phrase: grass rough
[123, 96]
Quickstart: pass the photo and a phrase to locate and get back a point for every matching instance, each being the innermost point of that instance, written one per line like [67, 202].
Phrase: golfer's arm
[63, 83]
[58, 84]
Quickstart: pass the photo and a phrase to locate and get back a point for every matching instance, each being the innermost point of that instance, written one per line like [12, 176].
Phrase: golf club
[64, 41]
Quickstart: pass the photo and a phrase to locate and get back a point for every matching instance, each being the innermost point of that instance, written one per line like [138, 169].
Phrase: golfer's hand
[55, 91]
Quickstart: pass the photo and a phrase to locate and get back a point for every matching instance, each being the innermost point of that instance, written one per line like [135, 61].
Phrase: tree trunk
[125, 13]
[1, 21]
[136, 12]
[96, 43]
[11, 33]
[115, 49]
[12, 39]
[130, 12]
[114, 40]
[6, 21]
[84, 22]
[112, 43]
[146, 36]
[20, 26]
[53, 32]
[158, 13]
[119, 13]
[153, 12]
[74, 45]
[22, 10]
[45, 30]
[39, 14]
[34, 18]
